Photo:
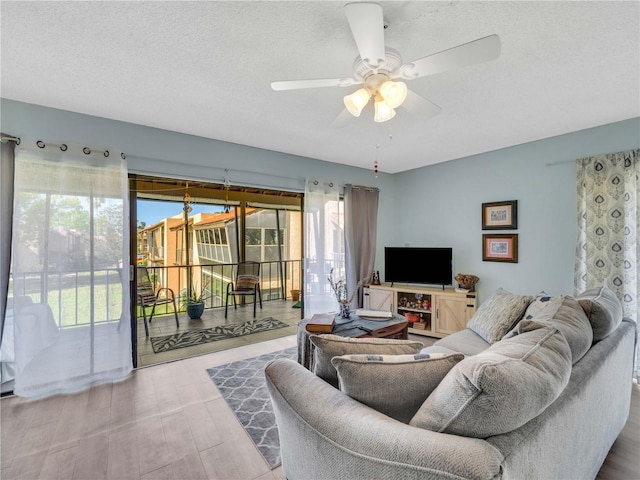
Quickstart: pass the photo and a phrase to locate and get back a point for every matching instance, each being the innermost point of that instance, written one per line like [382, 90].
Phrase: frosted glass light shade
[393, 93]
[357, 101]
[383, 111]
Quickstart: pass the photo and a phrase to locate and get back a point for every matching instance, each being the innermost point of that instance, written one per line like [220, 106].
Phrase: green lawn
[70, 297]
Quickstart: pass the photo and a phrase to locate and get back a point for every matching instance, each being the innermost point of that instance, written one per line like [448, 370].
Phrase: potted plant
[194, 300]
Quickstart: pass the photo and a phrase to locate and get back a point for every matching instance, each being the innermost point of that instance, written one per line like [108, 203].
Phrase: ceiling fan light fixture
[357, 101]
[394, 93]
[383, 112]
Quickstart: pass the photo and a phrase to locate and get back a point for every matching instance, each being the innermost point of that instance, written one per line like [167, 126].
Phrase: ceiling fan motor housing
[373, 77]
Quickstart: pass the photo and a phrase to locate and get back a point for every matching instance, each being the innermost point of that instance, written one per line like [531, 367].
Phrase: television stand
[432, 312]
[391, 285]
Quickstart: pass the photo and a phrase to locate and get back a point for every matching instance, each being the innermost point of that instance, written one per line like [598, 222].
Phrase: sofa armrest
[326, 434]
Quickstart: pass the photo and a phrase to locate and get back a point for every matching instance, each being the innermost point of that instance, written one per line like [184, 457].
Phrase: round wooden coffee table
[356, 327]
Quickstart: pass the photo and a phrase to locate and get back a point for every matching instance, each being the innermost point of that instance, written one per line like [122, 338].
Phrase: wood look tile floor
[169, 422]
[165, 421]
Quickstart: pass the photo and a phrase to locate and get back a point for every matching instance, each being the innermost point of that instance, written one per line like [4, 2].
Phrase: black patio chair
[247, 283]
[148, 297]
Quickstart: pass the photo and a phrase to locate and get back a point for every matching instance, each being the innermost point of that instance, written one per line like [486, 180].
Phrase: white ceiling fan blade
[342, 119]
[420, 106]
[477, 51]
[325, 82]
[367, 26]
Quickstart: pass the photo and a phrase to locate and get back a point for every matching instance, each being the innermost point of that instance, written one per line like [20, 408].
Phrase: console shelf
[432, 312]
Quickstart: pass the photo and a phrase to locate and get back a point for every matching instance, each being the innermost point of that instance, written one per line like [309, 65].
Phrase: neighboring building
[214, 248]
[160, 249]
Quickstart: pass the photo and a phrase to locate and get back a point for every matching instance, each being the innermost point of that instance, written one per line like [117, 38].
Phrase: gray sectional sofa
[534, 388]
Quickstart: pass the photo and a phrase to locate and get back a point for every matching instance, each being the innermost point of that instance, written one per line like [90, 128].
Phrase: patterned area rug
[207, 335]
[243, 386]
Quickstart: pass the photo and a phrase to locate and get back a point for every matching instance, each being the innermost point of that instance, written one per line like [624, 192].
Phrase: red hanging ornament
[375, 163]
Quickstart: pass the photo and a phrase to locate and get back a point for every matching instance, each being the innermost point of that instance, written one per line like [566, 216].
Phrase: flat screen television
[430, 266]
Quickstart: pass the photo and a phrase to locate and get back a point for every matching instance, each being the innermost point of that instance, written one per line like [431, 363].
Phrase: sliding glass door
[195, 234]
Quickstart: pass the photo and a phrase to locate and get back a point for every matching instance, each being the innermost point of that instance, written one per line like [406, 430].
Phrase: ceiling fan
[380, 70]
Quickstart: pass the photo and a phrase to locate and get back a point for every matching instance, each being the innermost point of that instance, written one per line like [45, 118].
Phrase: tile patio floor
[166, 325]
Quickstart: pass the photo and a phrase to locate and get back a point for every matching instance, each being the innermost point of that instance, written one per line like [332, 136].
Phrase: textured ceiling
[204, 68]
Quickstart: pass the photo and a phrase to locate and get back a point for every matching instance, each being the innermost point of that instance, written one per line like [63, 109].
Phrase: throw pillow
[395, 385]
[603, 309]
[543, 307]
[501, 388]
[328, 346]
[498, 315]
[564, 313]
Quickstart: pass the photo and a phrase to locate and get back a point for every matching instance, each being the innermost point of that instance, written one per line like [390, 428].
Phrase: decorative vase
[345, 311]
[195, 310]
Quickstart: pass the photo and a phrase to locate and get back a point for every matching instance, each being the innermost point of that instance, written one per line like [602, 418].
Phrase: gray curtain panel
[6, 215]
[360, 226]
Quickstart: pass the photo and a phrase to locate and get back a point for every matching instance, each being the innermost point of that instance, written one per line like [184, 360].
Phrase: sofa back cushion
[465, 341]
[603, 309]
[395, 385]
[501, 388]
[328, 346]
[566, 314]
[498, 315]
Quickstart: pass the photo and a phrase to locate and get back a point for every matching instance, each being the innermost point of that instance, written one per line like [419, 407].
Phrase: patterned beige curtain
[608, 246]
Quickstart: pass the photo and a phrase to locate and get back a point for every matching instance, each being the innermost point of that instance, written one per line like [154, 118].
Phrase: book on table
[321, 323]
[367, 312]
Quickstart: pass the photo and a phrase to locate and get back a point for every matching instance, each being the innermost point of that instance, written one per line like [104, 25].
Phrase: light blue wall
[164, 153]
[440, 205]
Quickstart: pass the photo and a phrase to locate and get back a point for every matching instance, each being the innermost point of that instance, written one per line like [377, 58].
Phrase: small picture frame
[500, 215]
[500, 247]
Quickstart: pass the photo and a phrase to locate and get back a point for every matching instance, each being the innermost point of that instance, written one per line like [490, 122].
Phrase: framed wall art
[500, 215]
[500, 247]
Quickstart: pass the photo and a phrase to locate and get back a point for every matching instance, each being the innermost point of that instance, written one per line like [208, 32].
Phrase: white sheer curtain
[323, 245]
[70, 270]
[360, 228]
[608, 246]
